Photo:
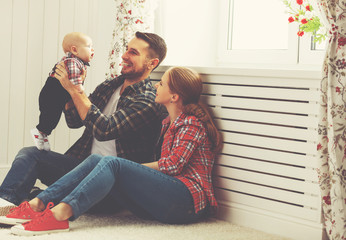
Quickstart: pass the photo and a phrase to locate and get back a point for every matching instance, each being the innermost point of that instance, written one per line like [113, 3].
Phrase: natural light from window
[233, 32]
[254, 26]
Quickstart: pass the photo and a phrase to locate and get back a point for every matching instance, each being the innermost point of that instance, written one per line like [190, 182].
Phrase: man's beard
[134, 74]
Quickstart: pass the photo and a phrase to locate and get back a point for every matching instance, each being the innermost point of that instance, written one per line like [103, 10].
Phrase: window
[258, 32]
[231, 33]
[190, 31]
[257, 27]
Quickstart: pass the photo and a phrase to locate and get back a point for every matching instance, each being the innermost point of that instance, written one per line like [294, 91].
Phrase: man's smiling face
[135, 59]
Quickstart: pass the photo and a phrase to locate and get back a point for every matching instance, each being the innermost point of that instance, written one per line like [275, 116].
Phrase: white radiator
[265, 177]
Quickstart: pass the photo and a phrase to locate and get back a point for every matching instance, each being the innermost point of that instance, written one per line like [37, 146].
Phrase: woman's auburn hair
[187, 83]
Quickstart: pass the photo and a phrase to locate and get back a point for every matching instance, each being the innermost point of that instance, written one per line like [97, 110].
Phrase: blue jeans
[31, 164]
[146, 192]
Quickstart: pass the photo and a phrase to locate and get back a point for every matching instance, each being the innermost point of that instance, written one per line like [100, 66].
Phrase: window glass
[258, 24]
[318, 46]
[233, 33]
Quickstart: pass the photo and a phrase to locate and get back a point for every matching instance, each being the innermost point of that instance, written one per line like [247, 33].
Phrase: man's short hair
[157, 46]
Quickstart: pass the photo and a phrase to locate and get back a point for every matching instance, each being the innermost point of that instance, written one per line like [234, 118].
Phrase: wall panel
[30, 44]
[34, 61]
[18, 71]
[5, 65]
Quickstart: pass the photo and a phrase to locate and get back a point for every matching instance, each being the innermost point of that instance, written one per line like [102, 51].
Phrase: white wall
[190, 30]
[30, 45]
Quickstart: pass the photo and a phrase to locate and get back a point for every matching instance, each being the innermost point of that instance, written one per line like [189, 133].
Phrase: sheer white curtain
[131, 16]
[332, 123]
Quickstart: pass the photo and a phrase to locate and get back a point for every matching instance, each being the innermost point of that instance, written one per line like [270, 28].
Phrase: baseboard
[297, 229]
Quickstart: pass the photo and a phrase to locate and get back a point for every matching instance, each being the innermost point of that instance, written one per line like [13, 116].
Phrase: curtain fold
[131, 16]
[332, 122]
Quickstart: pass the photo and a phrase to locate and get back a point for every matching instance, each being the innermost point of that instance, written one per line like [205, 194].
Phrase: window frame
[298, 51]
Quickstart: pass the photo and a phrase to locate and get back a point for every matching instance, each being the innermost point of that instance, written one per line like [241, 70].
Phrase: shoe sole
[19, 231]
[12, 221]
[6, 210]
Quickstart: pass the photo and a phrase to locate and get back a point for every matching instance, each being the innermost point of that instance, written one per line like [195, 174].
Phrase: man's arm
[140, 111]
[69, 105]
[80, 100]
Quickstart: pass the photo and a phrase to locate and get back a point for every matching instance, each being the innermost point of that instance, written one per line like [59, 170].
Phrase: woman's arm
[153, 165]
[187, 138]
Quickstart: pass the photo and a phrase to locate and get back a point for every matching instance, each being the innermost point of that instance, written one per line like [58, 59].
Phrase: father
[120, 117]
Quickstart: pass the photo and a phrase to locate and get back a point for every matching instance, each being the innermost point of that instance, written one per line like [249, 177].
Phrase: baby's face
[85, 50]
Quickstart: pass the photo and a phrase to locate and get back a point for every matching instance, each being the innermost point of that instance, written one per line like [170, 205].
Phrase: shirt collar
[134, 87]
[167, 120]
[71, 55]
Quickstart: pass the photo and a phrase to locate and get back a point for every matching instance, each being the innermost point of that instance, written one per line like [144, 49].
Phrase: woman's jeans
[145, 191]
[31, 164]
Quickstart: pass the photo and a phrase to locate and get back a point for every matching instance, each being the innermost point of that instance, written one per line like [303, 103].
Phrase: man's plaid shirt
[187, 155]
[135, 126]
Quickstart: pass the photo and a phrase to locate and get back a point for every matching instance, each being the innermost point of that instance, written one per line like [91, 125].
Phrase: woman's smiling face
[163, 92]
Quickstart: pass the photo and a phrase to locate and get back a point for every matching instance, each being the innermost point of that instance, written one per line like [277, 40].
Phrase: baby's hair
[72, 39]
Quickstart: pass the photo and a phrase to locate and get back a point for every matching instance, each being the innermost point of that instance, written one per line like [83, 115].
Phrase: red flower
[327, 200]
[130, 12]
[337, 89]
[138, 21]
[341, 42]
[308, 8]
[319, 146]
[304, 21]
[300, 2]
[300, 33]
[291, 19]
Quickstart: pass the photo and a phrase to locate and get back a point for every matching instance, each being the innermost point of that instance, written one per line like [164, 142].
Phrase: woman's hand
[153, 165]
[62, 75]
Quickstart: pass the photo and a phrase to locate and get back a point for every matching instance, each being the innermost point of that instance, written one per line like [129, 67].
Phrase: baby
[53, 97]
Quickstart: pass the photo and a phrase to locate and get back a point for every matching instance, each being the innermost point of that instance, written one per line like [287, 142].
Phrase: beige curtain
[131, 16]
[332, 123]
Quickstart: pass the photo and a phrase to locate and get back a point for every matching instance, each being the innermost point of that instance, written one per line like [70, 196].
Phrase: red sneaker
[46, 223]
[20, 214]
